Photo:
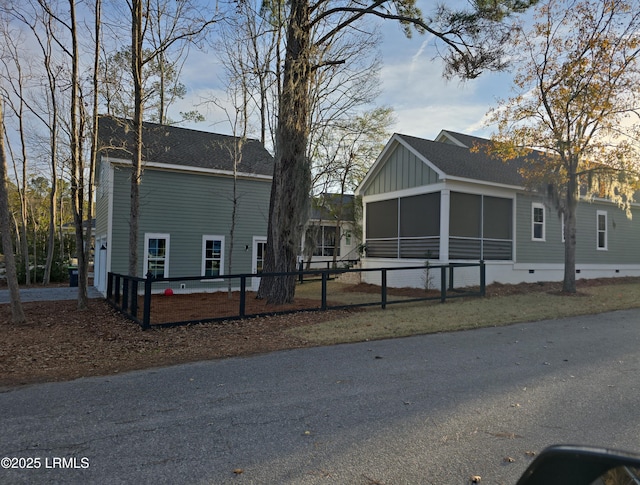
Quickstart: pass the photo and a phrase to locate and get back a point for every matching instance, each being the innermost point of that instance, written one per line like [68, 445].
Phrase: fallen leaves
[59, 342]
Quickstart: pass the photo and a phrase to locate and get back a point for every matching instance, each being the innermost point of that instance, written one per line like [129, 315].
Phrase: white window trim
[209, 237]
[606, 231]
[156, 235]
[534, 206]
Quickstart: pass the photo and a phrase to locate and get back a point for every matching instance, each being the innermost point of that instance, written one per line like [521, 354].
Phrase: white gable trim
[445, 136]
[185, 168]
[383, 157]
[483, 183]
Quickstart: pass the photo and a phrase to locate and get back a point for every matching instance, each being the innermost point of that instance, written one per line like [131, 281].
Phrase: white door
[257, 261]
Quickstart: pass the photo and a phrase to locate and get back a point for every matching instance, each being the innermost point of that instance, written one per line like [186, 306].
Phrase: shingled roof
[172, 145]
[461, 162]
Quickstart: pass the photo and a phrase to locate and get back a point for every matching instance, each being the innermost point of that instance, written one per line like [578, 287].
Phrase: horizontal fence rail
[158, 302]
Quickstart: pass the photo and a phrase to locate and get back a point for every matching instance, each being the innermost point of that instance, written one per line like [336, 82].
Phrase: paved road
[48, 294]
[423, 410]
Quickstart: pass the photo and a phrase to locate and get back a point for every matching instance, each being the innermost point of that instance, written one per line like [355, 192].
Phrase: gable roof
[172, 145]
[451, 157]
[326, 206]
[460, 162]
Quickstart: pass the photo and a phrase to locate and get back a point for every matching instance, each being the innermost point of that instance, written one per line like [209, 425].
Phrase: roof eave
[190, 168]
[484, 182]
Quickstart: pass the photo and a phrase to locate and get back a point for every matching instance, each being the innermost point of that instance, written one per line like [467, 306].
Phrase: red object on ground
[168, 292]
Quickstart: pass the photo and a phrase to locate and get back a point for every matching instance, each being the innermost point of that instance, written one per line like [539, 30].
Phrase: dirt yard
[60, 343]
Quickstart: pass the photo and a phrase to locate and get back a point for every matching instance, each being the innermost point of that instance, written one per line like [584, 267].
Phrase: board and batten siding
[401, 170]
[188, 206]
[623, 234]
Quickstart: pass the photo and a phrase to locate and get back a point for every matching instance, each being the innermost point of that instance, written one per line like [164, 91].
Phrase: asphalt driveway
[48, 294]
[432, 409]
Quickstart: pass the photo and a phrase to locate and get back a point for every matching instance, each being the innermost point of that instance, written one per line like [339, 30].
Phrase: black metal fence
[157, 302]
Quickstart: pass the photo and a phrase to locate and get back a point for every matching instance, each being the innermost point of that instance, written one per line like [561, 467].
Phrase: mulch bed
[201, 306]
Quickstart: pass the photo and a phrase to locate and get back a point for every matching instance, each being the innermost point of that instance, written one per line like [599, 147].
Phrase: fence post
[383, 284]
[146, 311]
[443, 284]
[109, 285]
[325, 275]
[243, 295]
[134, 298]
[116, 297]
[300, 271]
[125, 294]
[483, 278]
[451, 276]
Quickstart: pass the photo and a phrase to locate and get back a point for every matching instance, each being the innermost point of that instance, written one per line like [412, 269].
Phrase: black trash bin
[73, 276]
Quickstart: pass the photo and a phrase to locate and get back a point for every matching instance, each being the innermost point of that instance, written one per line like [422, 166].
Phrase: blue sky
[412, 84]
[423, 100]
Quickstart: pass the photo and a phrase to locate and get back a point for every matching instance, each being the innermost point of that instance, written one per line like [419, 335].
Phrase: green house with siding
[186, 202]
[440, 201]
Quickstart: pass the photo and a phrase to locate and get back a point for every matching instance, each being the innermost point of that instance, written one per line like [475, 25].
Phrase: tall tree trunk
[136, 175]
[17, 314]
[291, 176]
[53, 215]
[24, 202]
[53, 193]
[53, 141]
[77, 186]
[94, 134]
[569, 281]
[237, 158]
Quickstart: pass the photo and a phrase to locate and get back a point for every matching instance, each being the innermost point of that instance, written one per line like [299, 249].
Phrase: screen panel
[420, 215]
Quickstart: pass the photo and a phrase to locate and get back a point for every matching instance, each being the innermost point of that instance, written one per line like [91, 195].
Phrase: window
[261, 247]
[326, 241]
[212, 255]
[156, 255]
[347, 238]
[537, 222]
[602, 230]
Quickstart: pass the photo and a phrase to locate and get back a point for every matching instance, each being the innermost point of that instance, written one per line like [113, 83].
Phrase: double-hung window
[156, 255]
[537, 222]
[601, 217]
[212, 255]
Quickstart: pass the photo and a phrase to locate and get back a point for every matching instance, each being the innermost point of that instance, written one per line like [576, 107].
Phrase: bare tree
[77, 161]
[344, 156]
[179, 27]
[249, 51]
[14, 78]
[17, 314]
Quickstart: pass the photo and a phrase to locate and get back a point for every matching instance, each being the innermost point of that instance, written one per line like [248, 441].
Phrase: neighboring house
[330, 233]
[442, 202]
[186, 200]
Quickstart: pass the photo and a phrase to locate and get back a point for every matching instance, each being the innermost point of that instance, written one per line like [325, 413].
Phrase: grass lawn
[466, 313]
